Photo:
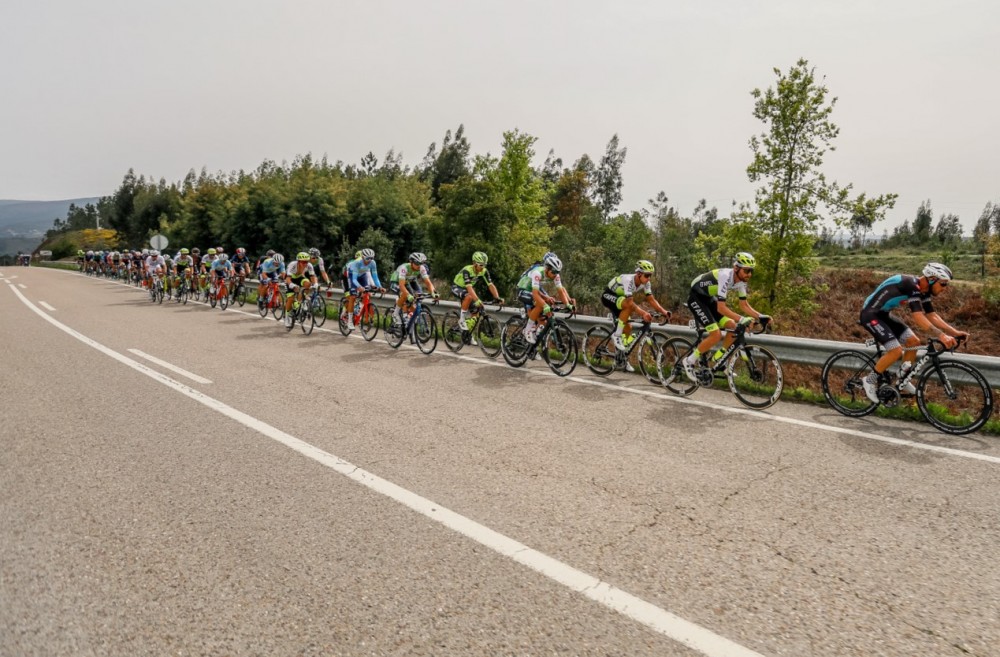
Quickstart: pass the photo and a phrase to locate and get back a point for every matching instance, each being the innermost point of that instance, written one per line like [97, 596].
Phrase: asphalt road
[322, 495]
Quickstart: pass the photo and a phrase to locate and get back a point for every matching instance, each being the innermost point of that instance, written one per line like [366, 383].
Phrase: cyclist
[409, 279]
[361, 273]
[205, 267]
[241, 263]
[617, 298]
[916, 292]
[345, 281]
[531, 293]
[183, 266]
[271, 269]
[711, 311]
[299, 276]
[463, 287]
[260, 261]
[221, 269]
[316, 259]
[155, 265]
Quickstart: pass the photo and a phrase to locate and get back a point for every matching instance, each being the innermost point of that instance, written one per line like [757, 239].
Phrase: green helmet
[302, 256]
[744, 259]
[645, 267]
[185, 252]
[80, 252]
[480, 258]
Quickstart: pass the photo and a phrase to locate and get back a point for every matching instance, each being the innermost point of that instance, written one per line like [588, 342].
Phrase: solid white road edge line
[901, 442]
[660, 620]
[46, 306]
[169, 366]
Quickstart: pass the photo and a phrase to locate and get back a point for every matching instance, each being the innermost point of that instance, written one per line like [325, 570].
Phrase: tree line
[455, 202]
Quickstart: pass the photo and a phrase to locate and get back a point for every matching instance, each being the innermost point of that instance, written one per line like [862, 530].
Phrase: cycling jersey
[270, 268]
[717, 283]
[894, 290]
[184, 262]
[221, 267]
[468, 276]
[240, 261]
[624, 286]
[358, 270]
[152, 263]
[300, 270]
[206, 261]
[405, 273]
[534, 277]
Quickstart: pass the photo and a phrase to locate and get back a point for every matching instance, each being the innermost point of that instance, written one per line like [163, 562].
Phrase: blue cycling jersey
[269, 266]
[356, 268]
[895, 290]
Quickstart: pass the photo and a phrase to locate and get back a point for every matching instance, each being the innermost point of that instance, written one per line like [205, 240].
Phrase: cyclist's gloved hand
[764, 319]
[948, 341]
[499, 301]
[546, 309]
[409, 298]
[746, 320]
[646, 317]
[436, 296]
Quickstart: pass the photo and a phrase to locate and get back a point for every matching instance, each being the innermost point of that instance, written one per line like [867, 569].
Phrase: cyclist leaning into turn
[916, 291]
[463, 287]
[617, 298]
[707, 302]
[361, 273]
[271, 269]
[531, 293]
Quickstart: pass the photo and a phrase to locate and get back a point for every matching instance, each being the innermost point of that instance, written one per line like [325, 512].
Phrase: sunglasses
[942, 283]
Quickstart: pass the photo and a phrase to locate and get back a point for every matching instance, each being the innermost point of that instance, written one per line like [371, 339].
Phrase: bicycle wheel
[318, 309]
[599, 350]
[755, 376]
[241, 295]
[159, 294]
[425, 329]
[488, 334]
[224, 299]
[842, 378]
[649, 353]
[955, 397]
[513, 346]
[342, 318]
[668, 361]
[560, 348]
[262, 304]
[184, 294]
[369, 323]
[394, 333]
[452, 330]
[307, 321]
[213, 298]
[279, 308]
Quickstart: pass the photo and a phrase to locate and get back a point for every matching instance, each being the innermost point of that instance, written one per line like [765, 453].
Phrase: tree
[948, 230]
[923, 223]
[794, 196]
[989, 222]
[608, 181]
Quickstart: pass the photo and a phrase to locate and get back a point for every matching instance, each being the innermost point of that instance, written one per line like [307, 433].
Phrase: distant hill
[23, 223]
[30, 219]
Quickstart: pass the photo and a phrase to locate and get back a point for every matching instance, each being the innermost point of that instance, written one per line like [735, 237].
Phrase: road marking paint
[22, 286]
[46, 306]
[901, 442]
[659, 620]
[169, 366]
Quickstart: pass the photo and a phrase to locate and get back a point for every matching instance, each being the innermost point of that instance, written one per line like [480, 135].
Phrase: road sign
[158, 242]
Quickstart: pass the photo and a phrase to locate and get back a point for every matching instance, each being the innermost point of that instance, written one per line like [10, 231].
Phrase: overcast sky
[90, 89]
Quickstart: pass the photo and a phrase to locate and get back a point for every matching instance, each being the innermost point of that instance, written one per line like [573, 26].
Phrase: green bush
[991, 293]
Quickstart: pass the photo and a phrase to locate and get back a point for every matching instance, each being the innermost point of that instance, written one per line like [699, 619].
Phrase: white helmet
[937, 271]
[277, 258]
[553, 262]
[154, 253]
[367, 254]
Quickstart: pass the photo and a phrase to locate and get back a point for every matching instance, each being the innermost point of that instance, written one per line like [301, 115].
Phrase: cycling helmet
[935, 271]
[367, 254]
[552, 261]
[80, 253]
[278, 258]
[745, 260]
[241, 251]
[219, 249]
[154, 253]
[314, 252]
[302, 256]
[185, 252]
[90, 253]
[196, 250]
[645, 267]
[480, 258]
[418, 258]
[145, 252]
[212, 252]
[223, 257]
[270, 252]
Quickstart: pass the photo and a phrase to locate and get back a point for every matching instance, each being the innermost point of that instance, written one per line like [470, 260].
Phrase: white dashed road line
[46, 306]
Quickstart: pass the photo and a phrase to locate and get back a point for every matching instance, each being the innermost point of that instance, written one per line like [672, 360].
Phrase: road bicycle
[952, 396]
[366, 315]
[554, 341]
[301, 314]
[483, 330]
[273, 301]
[602, 357]
[156, 290]
[317, 305]
[219, 293]
[238, 293]
[419, 325]
[183, 290]
[753, 373]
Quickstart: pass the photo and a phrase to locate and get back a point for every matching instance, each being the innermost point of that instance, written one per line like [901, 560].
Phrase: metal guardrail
[802, 351]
